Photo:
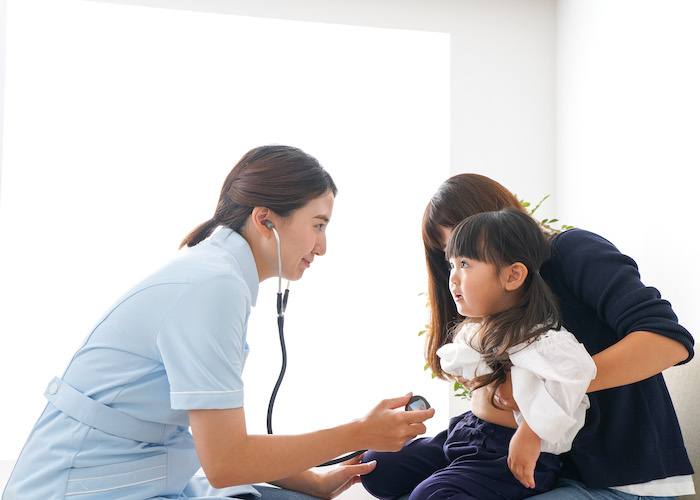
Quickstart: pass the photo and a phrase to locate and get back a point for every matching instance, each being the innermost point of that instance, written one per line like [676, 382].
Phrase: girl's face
[478, 288]
[303, 236]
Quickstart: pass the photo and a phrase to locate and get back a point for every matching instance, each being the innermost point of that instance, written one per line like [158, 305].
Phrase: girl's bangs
[471, 239]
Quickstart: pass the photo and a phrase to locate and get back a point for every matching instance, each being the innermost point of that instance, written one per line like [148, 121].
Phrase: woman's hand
[332, 481]
[230, 456]
[338, 479]
[523, 452]
[504, 395]
[387, 429]
[328, 482]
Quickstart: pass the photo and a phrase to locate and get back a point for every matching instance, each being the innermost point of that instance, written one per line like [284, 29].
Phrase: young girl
[631, 445]
[512, 328]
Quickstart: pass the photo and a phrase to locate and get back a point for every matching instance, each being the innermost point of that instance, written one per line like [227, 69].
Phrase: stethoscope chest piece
[417, 403]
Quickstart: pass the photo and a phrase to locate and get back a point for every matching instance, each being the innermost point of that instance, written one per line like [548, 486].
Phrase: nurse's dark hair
[280, 178]
[456, 199]
[504, 238]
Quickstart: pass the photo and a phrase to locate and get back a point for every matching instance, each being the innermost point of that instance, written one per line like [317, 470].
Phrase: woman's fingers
[399, 402]
[388, 428]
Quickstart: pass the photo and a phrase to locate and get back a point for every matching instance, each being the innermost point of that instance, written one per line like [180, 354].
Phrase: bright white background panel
[120, 126]
[628, 130]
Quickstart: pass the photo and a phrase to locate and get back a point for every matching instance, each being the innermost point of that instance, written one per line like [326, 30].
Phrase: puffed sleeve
[459, 358]
[202, 344]
[550, 378]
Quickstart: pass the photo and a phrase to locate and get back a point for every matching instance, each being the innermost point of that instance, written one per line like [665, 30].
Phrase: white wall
[502, 78]
[628, 129]
[116, 148]
[501, 112]
[628, 125]
[3, 28]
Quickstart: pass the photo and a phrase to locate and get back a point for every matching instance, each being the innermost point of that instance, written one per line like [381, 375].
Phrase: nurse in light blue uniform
[169, 354]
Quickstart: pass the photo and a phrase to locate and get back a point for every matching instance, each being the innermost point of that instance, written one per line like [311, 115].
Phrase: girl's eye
[320, 226]
[450, 265]
[463, 264]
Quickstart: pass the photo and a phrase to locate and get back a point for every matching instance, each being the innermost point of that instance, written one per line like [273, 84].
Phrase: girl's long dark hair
[504, 238]
[280, 178]
[457, 198]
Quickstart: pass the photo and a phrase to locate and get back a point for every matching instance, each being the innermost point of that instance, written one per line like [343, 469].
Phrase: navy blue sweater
[631, 433]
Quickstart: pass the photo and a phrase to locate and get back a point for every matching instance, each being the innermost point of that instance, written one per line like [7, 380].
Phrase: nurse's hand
[335, 480]
[327, 482]
[386, 428]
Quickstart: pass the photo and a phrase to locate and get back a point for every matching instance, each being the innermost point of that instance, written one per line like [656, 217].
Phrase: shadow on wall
[682, 384]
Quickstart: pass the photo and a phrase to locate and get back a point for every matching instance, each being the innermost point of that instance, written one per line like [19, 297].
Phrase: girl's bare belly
[481, 407]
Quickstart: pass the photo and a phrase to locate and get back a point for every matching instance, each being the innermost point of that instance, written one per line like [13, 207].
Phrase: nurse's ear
[262, 220]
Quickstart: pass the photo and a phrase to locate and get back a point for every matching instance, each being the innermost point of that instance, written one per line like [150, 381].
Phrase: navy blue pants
[467, 461]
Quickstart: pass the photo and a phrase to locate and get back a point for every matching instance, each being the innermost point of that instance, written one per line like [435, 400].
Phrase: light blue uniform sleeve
[202, 344]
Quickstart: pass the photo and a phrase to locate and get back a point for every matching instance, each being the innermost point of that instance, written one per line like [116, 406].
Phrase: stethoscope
[414, 404]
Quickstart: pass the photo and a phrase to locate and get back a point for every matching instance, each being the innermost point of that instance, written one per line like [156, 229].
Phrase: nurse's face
[303, 236]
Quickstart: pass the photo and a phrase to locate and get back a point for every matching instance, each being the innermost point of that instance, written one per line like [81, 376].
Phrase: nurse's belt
[84, 409]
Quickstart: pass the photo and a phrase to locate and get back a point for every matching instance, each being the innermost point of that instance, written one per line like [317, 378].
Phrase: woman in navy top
[631, 444]
[169, 354]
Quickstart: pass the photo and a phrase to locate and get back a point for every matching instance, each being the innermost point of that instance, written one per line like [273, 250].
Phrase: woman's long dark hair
[280, 178]
[456, 199]
[504, 238]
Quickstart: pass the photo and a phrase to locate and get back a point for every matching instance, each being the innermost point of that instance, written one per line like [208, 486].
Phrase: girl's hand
[523, 452]
[336, 480]
[386, 428]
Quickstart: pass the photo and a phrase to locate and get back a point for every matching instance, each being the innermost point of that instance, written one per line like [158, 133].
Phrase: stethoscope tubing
[281, 308]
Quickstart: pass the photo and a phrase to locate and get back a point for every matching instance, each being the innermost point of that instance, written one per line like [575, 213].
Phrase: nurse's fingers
[417, 416]
[394, 403]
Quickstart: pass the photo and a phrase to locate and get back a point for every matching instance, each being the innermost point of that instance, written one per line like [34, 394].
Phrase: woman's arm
[636, 357]
[632, 330]
[593, 279]
[230, 456]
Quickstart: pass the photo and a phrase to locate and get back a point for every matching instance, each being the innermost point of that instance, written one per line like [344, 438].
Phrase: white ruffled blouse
[550, 376]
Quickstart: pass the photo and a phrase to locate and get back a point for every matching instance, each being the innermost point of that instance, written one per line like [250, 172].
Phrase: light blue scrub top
[116, 425]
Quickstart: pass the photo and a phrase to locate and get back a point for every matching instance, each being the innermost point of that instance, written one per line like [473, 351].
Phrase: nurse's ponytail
[280, 178]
